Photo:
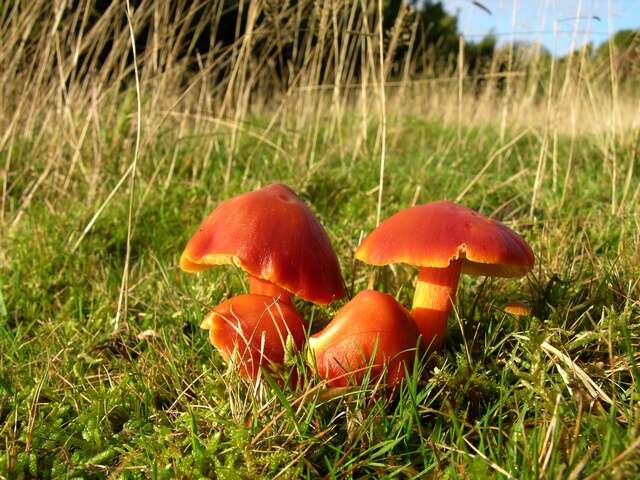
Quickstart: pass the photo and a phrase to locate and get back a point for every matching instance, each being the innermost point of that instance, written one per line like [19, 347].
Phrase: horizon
[558, 26]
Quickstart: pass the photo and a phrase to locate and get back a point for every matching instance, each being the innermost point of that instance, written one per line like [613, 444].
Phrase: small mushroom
[517, 309]
[272, 235]
[372, 330]
[257, 329]
[444, 240]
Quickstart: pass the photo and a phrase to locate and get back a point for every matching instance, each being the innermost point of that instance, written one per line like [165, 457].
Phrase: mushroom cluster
[272, 235]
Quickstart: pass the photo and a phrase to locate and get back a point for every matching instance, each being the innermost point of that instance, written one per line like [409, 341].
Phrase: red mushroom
[276, 239]
[257, 329]
[372, 330]
[444, 240]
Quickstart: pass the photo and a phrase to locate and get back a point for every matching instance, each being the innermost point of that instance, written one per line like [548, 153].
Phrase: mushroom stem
[432, 300]
[258, 286]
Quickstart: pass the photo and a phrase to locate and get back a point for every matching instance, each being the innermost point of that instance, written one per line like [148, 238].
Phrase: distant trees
[420, 36]
[424, 30]
[616, 62]
[624, 51]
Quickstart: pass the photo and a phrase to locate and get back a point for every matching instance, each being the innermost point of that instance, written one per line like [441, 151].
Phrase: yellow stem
[432, 300]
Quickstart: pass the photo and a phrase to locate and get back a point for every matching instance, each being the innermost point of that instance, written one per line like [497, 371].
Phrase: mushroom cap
[437, 233]
[256, 328]
[373, 329]
[272, 235]
[517, 309]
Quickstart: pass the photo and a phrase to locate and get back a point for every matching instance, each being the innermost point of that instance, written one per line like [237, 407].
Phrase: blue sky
[536, 20]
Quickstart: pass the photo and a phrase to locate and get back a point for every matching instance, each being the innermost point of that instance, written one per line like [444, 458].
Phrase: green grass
[78, 400]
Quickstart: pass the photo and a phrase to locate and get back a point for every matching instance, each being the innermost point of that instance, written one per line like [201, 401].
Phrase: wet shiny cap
[257, 328]
[437, 233]
[271, 234]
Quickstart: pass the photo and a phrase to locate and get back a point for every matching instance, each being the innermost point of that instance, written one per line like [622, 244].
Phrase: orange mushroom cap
[372, 329]
[437, 233]
[272, 235]
[256, 328]
[517, 309]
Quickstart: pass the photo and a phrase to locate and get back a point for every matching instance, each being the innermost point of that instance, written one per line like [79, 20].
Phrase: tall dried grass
[68, 112]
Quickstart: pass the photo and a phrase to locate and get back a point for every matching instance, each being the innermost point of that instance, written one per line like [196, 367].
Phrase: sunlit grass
[79, 398]
[553, 394]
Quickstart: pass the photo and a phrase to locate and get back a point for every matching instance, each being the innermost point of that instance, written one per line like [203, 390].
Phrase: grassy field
[105, 373]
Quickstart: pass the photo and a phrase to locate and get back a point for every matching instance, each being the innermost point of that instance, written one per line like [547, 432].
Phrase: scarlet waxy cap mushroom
[444, 240]
[371, 330]
[257, 328]
[272, 235]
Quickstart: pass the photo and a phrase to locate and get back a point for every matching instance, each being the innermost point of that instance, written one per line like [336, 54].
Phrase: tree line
[420, 37]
